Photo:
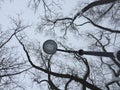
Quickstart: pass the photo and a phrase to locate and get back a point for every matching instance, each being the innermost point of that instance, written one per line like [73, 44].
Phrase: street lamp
[50, 47]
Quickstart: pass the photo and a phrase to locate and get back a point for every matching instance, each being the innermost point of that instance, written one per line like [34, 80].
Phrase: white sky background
[29, 17]
[11, 9]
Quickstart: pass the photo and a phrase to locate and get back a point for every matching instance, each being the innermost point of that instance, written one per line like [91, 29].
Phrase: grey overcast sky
[12, 9]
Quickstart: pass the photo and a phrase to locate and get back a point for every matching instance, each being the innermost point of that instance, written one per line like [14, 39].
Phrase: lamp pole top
[50, 46]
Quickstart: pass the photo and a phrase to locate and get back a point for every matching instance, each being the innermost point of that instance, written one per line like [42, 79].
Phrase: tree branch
[87, 72]
[75, 78]
[97, 3]
[101, 27]
[67, 84]
[6, 75]
[91, 5]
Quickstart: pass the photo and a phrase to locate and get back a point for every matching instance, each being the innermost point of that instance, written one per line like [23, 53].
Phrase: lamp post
[50, 47]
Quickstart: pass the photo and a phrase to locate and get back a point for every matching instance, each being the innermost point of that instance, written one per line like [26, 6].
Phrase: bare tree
[87, 73]
[11, 64]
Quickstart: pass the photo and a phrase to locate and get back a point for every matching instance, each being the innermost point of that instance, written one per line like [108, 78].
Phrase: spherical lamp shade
[118, 55]
[50, 47]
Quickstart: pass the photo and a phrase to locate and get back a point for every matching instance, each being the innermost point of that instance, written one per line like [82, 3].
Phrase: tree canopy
[91, 25]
